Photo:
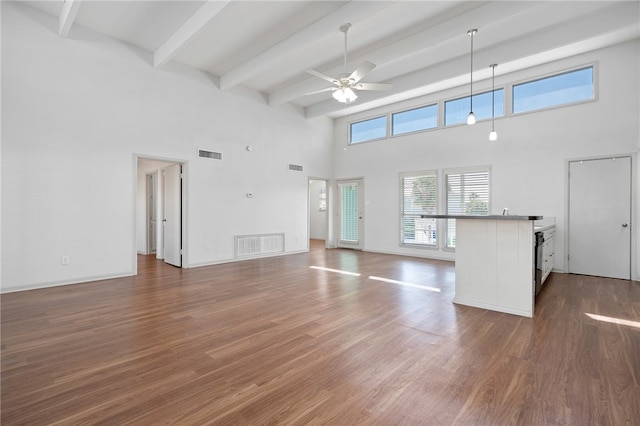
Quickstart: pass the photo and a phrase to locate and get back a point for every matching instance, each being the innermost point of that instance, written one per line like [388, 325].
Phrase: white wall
[317, 217]
[76, 113]
[528, 160]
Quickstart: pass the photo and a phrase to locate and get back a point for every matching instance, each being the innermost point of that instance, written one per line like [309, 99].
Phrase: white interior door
[351, 213]
[600, 217]
[172, 214]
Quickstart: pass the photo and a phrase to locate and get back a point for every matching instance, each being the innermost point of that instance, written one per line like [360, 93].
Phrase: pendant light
[471, 118]
[493, 136]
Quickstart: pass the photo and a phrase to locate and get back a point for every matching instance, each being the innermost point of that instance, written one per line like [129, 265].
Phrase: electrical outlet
[64, 260]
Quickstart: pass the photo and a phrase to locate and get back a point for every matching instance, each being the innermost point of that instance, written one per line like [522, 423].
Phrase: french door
[351, 213]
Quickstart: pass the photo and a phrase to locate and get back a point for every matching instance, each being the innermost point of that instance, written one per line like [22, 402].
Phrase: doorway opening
[160, 206]
[318, 212]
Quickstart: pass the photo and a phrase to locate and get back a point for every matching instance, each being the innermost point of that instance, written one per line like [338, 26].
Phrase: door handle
[624, 225]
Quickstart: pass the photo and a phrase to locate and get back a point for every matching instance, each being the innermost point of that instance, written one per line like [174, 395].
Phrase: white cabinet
[548, 250]
[494, 264]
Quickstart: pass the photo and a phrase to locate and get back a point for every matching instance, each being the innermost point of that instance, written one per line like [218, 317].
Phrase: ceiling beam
[436, 42]
[188, 31]
[351, 12]
[67, 16]
[427, 39]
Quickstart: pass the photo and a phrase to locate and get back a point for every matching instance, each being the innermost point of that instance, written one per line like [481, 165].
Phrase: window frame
[507, 101]
[401, 181]
[351, 123]
[393, 113]
[595, 78]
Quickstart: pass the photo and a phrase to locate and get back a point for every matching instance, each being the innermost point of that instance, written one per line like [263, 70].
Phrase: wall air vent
[210, 154]
[258, 245]
[295, 167]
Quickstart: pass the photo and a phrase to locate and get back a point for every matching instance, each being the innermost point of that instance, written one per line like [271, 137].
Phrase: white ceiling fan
[347, 84]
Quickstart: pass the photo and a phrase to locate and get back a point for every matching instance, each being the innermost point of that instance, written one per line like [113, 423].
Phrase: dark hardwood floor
[273, 341]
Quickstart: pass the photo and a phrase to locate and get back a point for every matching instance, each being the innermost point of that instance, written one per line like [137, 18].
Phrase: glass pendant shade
[471, 118]
[493, 136]
[345, 95]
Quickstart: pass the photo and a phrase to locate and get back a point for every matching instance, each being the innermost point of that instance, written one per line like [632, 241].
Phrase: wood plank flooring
[273, 341]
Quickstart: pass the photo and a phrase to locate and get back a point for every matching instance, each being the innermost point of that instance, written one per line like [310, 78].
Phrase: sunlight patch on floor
[612, 320]
[321, 268]
[404, 283]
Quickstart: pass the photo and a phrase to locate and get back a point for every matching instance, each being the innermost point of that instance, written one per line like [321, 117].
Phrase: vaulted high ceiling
[419, 46]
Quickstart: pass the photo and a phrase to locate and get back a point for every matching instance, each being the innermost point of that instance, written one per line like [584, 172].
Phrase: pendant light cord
[471, 74]
[493, 95]
[493, 135]
[471, 118]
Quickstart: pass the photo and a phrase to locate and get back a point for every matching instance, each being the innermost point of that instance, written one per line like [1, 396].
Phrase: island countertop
[486, 217]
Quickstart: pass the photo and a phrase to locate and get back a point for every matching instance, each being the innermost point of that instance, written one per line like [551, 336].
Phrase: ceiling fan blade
[361, 71]
[328, 89]
[373, 86]
[323, 76]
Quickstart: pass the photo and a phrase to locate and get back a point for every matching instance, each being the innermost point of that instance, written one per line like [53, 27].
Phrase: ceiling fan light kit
[345, 95]
[347, 84]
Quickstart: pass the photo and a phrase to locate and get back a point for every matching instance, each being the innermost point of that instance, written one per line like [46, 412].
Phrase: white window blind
[467, 194]
[419, 196]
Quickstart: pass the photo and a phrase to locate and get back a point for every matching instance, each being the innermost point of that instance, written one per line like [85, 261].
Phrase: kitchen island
[495, 262]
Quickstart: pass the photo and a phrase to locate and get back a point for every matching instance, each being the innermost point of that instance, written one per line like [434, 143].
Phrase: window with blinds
[467, 193]
[419, 196]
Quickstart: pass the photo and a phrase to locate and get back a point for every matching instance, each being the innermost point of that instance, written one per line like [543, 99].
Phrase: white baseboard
[49, 284]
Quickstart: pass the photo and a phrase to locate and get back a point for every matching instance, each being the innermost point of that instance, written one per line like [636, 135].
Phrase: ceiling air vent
[295, 167]
[210, 154]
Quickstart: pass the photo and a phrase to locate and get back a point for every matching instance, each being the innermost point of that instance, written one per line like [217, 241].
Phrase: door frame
[361, 207]
[184, 210]
[635, 212]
